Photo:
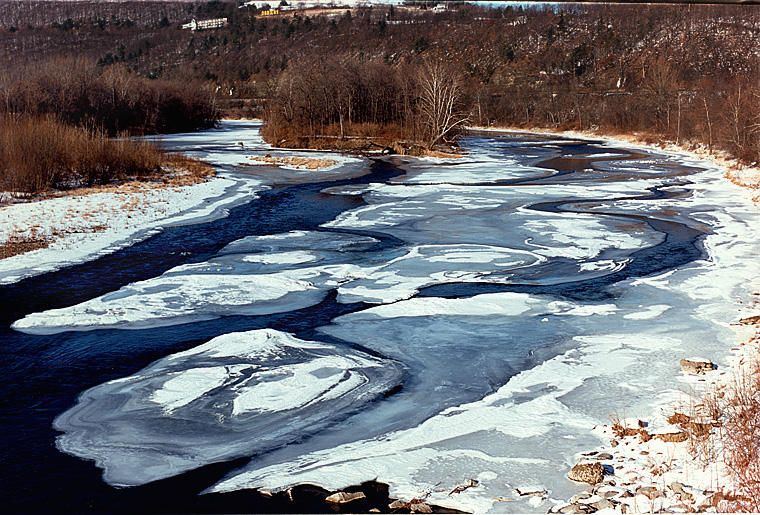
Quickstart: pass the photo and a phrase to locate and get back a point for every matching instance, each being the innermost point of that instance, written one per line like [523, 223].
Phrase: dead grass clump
[621, 431]
[309, 163]
[184, 171]
[19, 245]
[741, 439]
[678, 419]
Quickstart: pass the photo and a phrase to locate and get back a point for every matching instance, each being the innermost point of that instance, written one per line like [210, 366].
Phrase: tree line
[110, 99]
[58, 121]
[352, 98]
[686, 73]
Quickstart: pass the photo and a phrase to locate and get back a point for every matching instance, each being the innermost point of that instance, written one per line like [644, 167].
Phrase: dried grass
[16, 245]
[733, 408]
[308, 163]
[37, 154]
[42, 158]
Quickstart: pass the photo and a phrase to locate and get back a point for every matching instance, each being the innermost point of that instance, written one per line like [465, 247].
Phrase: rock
[750, 320]
[591, 473]
[650, 492]
[345, 497]
[679, 489]
[603, 504]
[395, 505]
[420, 507]
[614, 443]
[697, 366]
[708, 503]
[675, 437]
[608, 494]
[570, 508]
[375, 510]
[470, 483]
[535, 491]
[603, 456]
[580, 497]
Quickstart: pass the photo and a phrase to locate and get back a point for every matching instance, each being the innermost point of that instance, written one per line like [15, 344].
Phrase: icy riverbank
[81, 227]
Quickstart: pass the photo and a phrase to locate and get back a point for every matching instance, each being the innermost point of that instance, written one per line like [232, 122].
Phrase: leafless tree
[440, 100]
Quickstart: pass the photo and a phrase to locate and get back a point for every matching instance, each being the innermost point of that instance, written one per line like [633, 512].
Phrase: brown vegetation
[309, 163]
[41, 153]
[683, 73]
[19, 245]
[739, 405]
[111, 100]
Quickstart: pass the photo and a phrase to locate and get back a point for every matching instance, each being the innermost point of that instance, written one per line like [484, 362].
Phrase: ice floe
[237, 395]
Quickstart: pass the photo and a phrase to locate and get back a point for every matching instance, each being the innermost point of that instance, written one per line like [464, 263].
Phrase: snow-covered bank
[83, 227]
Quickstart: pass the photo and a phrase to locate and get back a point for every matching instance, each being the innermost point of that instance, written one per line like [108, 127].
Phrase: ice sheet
[237, 395]
[619, 356]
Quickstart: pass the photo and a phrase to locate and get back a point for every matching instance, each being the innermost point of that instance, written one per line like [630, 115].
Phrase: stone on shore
[591, 473]
[345, 497]
[697, 366]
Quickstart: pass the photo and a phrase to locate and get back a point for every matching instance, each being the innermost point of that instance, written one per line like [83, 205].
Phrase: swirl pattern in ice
[237, 395]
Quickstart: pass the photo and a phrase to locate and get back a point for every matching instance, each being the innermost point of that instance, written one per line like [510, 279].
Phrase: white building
[206, 24]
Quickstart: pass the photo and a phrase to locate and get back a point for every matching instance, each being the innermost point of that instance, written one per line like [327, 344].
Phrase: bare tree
[440, 100]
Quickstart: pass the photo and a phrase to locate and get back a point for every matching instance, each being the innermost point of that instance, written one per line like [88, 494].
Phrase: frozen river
[421, 322]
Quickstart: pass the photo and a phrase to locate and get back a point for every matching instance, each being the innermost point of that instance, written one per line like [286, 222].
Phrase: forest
[405, 76]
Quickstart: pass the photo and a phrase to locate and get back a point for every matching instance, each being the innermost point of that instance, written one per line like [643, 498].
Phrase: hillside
[686, 73]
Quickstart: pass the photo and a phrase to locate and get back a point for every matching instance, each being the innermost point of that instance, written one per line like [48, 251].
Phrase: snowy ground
[617, 355]
[82, 227]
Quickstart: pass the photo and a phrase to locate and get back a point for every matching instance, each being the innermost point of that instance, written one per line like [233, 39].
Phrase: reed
[41, 153]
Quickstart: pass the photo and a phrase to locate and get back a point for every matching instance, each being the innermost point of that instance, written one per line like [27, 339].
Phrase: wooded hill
[687, 73]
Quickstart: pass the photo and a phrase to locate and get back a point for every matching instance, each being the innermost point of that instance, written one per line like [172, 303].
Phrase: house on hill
[206, 24]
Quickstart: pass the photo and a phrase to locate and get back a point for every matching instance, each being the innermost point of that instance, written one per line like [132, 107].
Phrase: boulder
[750, 320]
[536, 491]
[697, 366]
[591, 473]
[345, 497]
[603, 504]
[420, 507]
[650, 492]
[680, 489]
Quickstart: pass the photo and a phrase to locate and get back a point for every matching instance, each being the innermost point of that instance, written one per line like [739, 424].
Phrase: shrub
[41, 153]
